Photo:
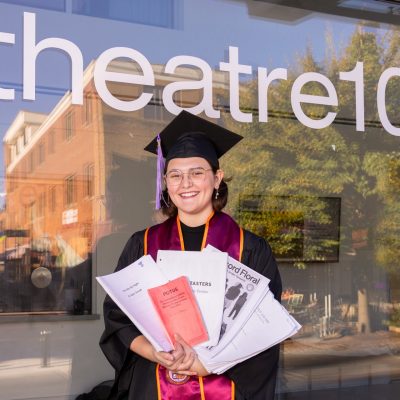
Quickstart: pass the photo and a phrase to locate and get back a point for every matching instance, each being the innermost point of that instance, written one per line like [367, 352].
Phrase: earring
[216, 194]
[167, 202]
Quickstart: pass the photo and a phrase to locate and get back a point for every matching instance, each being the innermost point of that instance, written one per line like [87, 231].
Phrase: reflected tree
[360, 167]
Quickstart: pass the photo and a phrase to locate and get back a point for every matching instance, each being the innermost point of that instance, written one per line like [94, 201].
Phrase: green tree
[305, 165]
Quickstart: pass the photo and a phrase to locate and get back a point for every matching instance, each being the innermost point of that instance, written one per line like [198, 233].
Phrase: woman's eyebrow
[187, 169]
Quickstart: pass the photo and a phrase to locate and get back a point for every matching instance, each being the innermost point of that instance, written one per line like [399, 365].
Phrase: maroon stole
[222, 232]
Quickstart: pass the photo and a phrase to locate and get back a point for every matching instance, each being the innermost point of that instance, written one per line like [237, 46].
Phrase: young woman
[194, 197]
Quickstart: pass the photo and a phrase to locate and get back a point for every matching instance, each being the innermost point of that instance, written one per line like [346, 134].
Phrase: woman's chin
[194, 210]
[189, 205]
[187, 209]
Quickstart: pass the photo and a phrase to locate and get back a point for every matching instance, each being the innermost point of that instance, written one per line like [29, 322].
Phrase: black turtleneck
[192, 236]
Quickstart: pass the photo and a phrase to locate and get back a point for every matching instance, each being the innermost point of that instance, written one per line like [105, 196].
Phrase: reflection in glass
[56, 5]
[150, 12]
[72, 190]
[328, 195]
[78, 184]
[299, 229]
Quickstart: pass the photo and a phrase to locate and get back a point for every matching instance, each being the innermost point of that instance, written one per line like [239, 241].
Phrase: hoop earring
[216, 194]
[166, 202]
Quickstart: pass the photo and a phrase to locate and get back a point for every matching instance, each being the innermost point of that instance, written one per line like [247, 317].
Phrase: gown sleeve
[255, 378]
[119, 329]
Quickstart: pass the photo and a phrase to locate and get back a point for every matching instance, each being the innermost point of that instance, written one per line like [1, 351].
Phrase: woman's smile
[188, 195]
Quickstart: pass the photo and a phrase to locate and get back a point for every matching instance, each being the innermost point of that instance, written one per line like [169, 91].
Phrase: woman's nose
[186, 180]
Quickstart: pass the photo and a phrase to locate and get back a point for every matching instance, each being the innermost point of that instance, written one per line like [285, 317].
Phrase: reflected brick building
[76, 175]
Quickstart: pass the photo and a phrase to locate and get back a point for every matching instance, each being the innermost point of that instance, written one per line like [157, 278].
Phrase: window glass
[69, 126]
[149, 12]
[57, 5]
[313, 89]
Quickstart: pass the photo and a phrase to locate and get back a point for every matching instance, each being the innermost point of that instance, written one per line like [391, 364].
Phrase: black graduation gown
[135, 376]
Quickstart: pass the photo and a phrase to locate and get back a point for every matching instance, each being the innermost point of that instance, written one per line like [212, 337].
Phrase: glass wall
[85, 85]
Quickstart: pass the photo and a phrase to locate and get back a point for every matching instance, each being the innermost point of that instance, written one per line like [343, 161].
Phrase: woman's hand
[196, 367]
[180, 359]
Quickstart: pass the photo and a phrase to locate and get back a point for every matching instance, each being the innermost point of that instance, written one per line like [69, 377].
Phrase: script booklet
[268, 325]
[128, 288]
[206, 272]
[244, 290]
[178, 310]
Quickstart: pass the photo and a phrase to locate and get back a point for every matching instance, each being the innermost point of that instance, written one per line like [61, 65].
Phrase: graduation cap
[190, 136]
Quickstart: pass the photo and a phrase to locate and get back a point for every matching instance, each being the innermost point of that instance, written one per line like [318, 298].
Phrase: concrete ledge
[389, 391]
[46, 317]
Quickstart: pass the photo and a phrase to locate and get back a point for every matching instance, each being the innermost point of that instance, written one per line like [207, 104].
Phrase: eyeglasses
[196, 175]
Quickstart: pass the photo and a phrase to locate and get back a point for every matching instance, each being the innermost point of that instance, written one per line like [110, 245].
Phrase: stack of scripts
[221, 307]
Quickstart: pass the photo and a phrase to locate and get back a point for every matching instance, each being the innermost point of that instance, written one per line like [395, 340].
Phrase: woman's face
[191, 196]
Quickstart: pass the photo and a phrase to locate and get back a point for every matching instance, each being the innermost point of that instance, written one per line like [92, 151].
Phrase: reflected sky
[261, 42]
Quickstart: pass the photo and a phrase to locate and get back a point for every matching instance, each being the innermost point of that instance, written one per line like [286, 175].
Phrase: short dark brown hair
[170, 210]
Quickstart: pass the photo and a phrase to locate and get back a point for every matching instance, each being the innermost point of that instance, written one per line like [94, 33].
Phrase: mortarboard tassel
[160, 173]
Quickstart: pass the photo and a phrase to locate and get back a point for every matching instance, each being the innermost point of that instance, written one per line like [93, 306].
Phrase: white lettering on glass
[32, 50]
[101, 76]
[234, 69]
[297, 98]
[145, 77]
[205, 84]
[357, 76]
[264, 80]
[381, 99]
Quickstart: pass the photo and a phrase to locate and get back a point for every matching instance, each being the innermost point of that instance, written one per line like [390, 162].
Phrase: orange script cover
[177, 307]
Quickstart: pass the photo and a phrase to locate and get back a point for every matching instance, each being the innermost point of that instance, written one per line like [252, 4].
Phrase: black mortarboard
[190, 136]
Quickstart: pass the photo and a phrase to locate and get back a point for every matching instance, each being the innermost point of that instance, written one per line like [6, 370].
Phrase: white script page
[128, 288]
[206, 272]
